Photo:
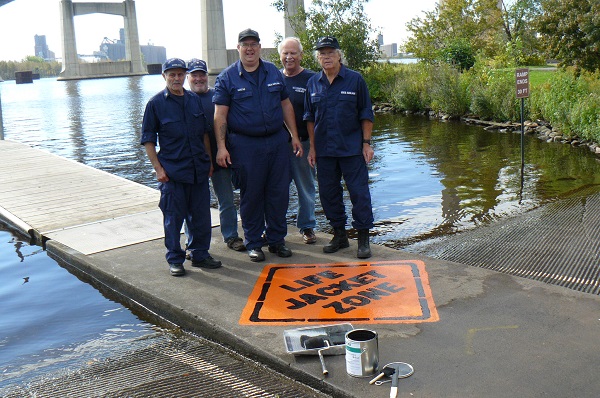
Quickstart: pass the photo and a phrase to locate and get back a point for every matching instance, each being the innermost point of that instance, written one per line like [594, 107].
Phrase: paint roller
[320, 342]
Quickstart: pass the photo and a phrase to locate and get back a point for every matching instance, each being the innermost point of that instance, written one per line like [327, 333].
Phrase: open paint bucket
[362, 353]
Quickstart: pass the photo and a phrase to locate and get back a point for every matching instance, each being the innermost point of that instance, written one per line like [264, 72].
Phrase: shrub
[381, 80]
[449, 93]
[585, 117]
[411, 90]
[556, 99]
[493, 94]
[571, 103]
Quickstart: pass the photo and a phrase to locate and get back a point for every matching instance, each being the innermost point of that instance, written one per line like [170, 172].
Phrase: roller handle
[325, 371]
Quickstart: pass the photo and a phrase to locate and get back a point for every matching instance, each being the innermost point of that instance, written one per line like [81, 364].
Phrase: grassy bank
[569, 102]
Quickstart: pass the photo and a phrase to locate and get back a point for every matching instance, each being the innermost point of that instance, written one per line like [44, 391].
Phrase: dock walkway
[474, 332]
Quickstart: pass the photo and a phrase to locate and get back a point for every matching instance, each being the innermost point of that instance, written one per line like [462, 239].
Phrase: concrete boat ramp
[467, 331]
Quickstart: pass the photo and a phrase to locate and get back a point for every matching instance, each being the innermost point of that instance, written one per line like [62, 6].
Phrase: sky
[171, 24]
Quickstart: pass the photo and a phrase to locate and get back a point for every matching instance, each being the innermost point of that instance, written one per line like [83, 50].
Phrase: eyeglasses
[251, 45]
[327, 54]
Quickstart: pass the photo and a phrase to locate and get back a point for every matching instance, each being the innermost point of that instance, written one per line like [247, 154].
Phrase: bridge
[212, 48]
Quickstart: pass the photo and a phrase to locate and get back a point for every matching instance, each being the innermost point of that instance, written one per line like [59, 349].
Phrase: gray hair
[337, 50]
[291, 38]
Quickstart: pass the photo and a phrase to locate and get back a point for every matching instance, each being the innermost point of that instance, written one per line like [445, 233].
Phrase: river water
[429, 178]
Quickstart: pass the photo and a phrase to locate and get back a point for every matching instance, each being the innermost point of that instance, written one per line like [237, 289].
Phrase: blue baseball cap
[327, 41]
[173, 63]
[196, 64]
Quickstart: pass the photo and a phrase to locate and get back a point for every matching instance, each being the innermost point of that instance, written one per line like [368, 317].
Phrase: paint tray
[335, 334]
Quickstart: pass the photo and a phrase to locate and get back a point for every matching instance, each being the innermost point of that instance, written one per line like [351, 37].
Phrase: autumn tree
[344, 19]
[570, 32]
[519, 22]
[459, 28]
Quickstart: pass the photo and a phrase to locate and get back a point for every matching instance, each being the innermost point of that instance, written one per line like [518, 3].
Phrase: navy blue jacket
[254, 109]
[337, 110]
[179, 132]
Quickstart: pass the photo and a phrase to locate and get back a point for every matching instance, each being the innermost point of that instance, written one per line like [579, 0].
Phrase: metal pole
[522, 132]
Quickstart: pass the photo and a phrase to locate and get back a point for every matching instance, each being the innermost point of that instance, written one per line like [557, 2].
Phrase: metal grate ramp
[168, 366]
[557, 244]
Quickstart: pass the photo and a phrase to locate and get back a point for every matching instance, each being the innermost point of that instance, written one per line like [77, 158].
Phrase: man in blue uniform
[340, 118]
[303, 174]
[221, 177]
[251, 106]
[174, 119]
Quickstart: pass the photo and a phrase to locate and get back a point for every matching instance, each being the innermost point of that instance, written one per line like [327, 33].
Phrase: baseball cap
[327, 41]
[173, 63]
[196, 64]
[246, 33]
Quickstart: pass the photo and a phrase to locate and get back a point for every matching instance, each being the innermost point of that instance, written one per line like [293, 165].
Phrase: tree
[344, 19]
[473, 26]
[458, 53]
[570, 32]
[519, 21]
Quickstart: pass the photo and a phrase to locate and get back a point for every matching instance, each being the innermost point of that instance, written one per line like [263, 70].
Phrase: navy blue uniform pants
[189, 202]
[261, 170]
[353, 169]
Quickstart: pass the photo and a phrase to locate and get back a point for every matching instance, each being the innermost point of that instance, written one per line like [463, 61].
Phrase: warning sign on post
[522, 77]
[365, 292]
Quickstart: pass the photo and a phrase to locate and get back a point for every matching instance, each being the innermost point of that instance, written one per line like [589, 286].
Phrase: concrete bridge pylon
[291, 9]
[73, 69]
[213, 48]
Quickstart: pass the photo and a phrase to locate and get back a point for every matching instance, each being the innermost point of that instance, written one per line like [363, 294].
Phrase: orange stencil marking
[362, 292]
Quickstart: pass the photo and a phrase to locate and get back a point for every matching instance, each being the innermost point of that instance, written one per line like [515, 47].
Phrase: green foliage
[570, 32]
[34, 59]
[453, 22]
[449, 92]
[458, 53]
[570, 101]
[493, 94]
[344, 19]
[411, 91]
[522, 45]
[381, 80]
[585, 117]
[34, 64]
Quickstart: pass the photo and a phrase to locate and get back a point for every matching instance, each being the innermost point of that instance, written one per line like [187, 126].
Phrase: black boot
[364, 251]
[339, 241]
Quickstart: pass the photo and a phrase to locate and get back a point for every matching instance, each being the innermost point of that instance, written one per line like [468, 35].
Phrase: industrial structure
[41, 48]
[114, 50]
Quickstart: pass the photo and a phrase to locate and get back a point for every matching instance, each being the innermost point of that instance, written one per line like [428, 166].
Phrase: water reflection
[435, 178]
[428, 178]
[74, 115]
[42, 328]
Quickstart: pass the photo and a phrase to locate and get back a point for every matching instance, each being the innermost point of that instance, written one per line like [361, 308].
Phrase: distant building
[41, 48]
[389, 50]
[114, 50]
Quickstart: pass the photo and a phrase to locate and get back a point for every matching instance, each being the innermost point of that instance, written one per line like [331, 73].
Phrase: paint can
[362, 353]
